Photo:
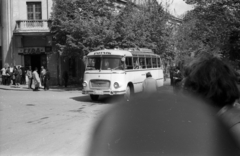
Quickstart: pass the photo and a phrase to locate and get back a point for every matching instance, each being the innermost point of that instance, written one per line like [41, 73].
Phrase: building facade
[25, 35]
[26, 39]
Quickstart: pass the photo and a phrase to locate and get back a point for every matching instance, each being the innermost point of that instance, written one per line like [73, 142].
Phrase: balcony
[32, 26]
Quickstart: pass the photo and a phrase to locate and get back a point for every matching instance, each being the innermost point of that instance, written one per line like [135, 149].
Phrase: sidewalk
[60, 88]
[25, 88]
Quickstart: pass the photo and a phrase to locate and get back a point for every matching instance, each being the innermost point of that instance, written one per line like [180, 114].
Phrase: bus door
[138, 73]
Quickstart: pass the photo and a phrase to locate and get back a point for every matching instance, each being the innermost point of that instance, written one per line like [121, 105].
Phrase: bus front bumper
[103, 92]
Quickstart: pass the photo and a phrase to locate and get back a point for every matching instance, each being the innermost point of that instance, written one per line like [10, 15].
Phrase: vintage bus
[120, 71]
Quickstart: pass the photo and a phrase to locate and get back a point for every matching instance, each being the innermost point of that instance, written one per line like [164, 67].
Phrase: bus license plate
[98, 92]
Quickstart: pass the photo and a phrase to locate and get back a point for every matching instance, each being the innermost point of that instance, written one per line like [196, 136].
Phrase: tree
[80, 26]
[211, 27]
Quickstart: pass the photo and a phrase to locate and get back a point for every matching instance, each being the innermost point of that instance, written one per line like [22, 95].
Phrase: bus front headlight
[116, 85]
[84, 84]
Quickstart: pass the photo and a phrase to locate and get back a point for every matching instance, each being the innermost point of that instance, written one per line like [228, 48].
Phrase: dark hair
[148, 74]
[36, 68]
[212, 79]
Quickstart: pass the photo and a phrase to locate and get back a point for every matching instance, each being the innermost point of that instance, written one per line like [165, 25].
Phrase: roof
[123, 52]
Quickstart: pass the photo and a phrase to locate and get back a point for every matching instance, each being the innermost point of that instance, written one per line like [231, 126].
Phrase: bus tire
[94, 97]
[127, 95]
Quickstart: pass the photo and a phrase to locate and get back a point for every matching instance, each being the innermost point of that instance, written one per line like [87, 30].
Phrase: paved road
[46, 123]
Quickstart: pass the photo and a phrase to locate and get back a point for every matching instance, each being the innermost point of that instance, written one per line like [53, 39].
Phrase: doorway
[35, 61]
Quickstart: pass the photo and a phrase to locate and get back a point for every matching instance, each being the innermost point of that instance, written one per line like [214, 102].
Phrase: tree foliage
[213, 26]
[80, 26]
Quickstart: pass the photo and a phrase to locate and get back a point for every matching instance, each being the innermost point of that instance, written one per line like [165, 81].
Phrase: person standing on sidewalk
[42, 76]
[30, 77]
[36, 79]
[14, 75]
[46, 80]
[3, 72]
[65, 78]
[18, 76]
[9, 74]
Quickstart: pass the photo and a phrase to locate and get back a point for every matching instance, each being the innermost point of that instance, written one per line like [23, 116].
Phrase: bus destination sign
[102, 53]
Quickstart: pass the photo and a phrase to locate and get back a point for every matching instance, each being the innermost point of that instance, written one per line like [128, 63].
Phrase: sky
[177, 7]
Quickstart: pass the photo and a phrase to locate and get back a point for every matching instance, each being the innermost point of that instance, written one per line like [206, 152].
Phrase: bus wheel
[94, 97]
[127, 94]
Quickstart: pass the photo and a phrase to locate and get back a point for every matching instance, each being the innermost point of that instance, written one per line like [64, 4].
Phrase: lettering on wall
[34, 50]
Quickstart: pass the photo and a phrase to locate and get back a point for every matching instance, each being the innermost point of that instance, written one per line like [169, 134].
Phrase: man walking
[42, 76]
[29, 75]
[149, 84]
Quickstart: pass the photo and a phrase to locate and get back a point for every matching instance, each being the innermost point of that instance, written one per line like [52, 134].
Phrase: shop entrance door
[36, 62]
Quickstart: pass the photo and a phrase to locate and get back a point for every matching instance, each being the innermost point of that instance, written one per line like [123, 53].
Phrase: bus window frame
[148, 57]
[138, 63]
[142, 57]
[154, 57]
[131, 61]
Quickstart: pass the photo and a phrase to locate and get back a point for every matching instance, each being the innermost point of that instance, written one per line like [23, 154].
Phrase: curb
[24, 88]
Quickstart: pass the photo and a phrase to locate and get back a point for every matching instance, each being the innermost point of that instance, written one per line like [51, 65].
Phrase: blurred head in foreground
[163, 125]
[213, 79]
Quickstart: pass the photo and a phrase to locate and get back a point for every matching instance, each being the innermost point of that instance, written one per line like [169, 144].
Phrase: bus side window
[149, 62]
[129, 63]
[136, 63]
[142, 61]
[154, 61]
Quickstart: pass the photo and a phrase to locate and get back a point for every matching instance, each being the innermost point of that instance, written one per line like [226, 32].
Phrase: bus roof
[123, 52]
[110, 52]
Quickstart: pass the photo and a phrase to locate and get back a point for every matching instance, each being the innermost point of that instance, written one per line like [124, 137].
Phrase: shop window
[72, 67]
[44, 61]
[27, 60]
[34, 10]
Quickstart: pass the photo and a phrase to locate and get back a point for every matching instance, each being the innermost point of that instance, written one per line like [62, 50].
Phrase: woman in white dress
[36, 79]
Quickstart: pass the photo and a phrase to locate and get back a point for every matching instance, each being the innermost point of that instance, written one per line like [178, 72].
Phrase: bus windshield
[104, 63]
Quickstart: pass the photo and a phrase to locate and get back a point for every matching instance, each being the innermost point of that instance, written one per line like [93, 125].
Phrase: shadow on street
[102, 99]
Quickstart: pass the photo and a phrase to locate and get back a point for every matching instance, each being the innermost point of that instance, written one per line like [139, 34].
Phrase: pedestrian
[30, 77]
[177, 78]
[23, 78]
[46, 80]
[14, 74]
[36, 79]
[149, 84]
[3, 72]
[42, 75]
[8, 75]
[215, 81]
[65, 78]
[171, 74]
[18, 76]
